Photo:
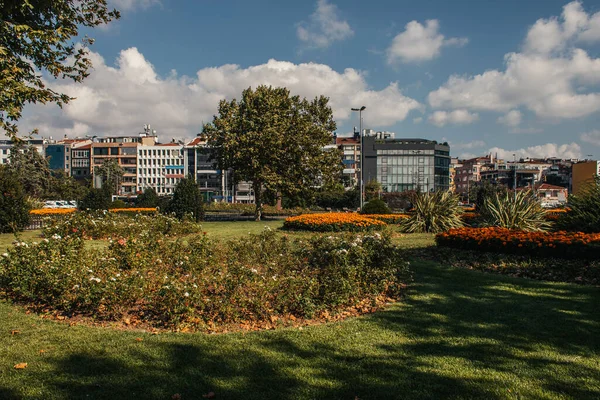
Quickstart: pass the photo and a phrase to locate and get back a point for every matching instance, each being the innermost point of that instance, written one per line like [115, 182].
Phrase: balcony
[349, 171]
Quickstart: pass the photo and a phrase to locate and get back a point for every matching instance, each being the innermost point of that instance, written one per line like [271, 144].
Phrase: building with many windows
[406, 164]
[160, 166]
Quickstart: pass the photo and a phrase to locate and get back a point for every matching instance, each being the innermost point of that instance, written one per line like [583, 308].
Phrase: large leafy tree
[187, 200]
[39, 36]
[31, 169]
[111, 175]
[14, 208]
[276, 141]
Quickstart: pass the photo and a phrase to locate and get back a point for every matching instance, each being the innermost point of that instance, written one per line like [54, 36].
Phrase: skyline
[475, 75]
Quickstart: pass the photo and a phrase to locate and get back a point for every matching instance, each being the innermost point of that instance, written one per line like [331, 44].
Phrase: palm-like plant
[520, 211]
[433, 212]
[584, 210]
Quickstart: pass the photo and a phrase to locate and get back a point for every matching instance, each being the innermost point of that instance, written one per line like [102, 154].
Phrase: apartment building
[583, 174]
[160, 166]
[60, 156]
[7, 145]
[469, 172]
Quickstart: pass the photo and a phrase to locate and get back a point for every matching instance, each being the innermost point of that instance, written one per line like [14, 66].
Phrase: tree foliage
[96, 199]
[276, 141]
[14, 208]
[31, 169]
[38, 35]
[111, 175]
[147, 199]
[375, 206]
[372, 190]
[187, 200]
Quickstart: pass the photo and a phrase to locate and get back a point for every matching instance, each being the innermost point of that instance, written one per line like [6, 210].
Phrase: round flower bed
[544, 244]
[387, 218]
[332, 222]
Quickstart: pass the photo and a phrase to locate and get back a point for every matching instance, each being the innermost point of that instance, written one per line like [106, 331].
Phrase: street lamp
[360, 110]
[515, 182]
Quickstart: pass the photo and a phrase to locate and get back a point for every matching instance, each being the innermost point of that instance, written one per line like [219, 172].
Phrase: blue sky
[503, 76]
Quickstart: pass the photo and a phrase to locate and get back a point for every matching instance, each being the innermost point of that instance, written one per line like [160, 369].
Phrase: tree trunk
[279, 201]
[256, 186]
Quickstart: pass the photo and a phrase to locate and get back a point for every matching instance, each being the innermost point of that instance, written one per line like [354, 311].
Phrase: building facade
[406, 164]
[583, 174]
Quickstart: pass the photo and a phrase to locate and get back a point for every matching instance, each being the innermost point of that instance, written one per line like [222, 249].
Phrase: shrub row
[333, 222]
[103, 225]
[545, 244]
[199, 282]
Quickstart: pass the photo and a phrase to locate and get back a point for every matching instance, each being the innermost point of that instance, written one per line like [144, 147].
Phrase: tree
[65, 187]
[14, 209]
[111, 174]
[147, 199]
[31, 169]
[187, 200]
[37, 35]
[276, 141]
[372, 190]
[96, 199]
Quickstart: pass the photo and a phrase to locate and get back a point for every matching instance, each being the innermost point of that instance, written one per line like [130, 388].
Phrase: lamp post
[360, 110]
[515, 182]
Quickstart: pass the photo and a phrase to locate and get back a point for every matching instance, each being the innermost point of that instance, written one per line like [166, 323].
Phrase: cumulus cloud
[420, 42]
[592, 137]
[119, 99]
[554, 85]
[475, 144]
[324, 27]
[512, 118]
[571, 150]
[459, 117]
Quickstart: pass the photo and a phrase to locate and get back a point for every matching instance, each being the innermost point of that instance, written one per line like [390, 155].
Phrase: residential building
[583, 174]
[454, 164]
[468, 172]
[350, 148]
[60, 154]
[7, 145]
[406, 164]
[80, 162]
[551, 195]
[160, 166]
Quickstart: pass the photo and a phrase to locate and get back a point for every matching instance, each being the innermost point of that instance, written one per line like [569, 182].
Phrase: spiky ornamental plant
[584, 210]
[433, 212]
[520, 211]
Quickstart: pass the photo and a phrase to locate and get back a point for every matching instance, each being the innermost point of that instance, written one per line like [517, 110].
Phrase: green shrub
[118, 204]
[375, 206]
[147, 199]
[187, 200]
[96, 199]
[103, 225]
[584, 210]
[433, 212]
[14, 205]
[198, 282]
[520, 211]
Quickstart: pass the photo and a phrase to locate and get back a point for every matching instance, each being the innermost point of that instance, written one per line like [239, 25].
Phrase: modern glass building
[407, 164]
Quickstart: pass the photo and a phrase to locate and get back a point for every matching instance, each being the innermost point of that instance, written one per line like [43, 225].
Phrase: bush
[375, 206]
[433, 212]
[103, 225]
[520, 211]
[583, 210]
[399, 201]
[96, 199]
[332, 222]
[389, 219]
[199, 282]
[14, 207]
[540, 244]
[187, 200]
[147, 199]
[118, 204]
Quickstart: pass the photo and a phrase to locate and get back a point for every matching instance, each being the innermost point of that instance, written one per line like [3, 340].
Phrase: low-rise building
[583, 174]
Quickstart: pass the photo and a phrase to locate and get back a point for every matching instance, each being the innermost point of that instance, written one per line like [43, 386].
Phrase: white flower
[4, 254]
[56, 236]
[186, 294]
[95, 279]
[254, 270]
[76, 287]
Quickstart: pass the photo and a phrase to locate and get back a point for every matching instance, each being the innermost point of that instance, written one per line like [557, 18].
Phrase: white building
[160, 166]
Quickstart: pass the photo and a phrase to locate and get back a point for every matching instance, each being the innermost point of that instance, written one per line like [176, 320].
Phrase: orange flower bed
[332, 222]
[52, 211]
[387, 218]
[134, 210]
[501, 240]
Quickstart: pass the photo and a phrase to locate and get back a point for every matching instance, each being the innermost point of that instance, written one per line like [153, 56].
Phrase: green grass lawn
[458, 334]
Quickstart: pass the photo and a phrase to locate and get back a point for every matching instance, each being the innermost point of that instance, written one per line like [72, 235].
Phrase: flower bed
[103, 225]
[199, 283]
[52, 211]
[332, 222]
[390, 219]
[544, 244]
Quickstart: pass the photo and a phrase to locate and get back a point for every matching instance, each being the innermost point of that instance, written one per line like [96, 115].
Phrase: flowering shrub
[332, 222]
[135, 210]
[390, 219]
[103, 225]
[52, 211]
[198, 282]
[547, 244]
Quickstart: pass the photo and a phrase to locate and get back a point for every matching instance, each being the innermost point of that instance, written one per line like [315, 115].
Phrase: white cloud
[526, 130]
[592, 137]
[550, 84]
[461, 117]
[324, 27]
[571, 150]
[120, 99]
[553, 34]
[127, 5]
[418, 120]
[420, 42]
[512, 118]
